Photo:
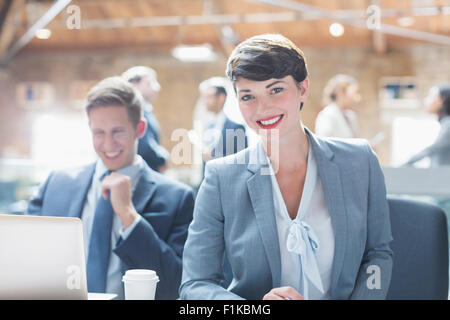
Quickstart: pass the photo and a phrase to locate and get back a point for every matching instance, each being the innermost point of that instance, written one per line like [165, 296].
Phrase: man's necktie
[100, 246]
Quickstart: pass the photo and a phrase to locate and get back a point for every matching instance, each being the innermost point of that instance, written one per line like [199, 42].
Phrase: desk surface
[101, 296]
[415, 181]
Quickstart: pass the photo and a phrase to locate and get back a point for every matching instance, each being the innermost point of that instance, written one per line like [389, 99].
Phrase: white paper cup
[140, 284]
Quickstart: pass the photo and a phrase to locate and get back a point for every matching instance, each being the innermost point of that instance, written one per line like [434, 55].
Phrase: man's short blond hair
[115, 91]
[335, 84]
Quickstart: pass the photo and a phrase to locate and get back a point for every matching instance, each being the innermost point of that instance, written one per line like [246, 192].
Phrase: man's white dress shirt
[114, 278]
[213, 131]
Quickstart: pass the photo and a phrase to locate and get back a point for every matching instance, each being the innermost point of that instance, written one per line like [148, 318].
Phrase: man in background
[133, 217]
[145, 80]
[221, 136]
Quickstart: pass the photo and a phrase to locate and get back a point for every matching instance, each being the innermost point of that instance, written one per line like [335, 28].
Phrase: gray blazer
[234, 213]
[439, 151]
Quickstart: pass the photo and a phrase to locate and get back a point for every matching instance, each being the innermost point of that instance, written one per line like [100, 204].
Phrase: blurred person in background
[221, 136]
[338, 118]
[437, 102]
[145, 80]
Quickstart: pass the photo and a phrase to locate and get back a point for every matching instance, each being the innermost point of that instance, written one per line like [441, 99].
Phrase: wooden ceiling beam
[379, 42]
[359, 23]
[227, 35]
[232, 18]
[54, 10]
[10, 14]
[4, 8]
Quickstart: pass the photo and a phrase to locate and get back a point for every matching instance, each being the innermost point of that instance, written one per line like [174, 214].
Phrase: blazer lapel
[144, 189]
[260, 191]
[81, 188]
[331, 181]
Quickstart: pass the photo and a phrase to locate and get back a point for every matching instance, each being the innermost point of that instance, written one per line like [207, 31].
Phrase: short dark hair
[220, 90]
[135, 74]
[219, 84]
[115, 91]
[444, 93]
[267, 56]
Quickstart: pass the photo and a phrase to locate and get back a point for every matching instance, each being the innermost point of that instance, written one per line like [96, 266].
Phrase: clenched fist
[119, 187]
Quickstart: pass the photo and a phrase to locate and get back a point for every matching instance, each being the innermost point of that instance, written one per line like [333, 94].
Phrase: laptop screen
[42, 258]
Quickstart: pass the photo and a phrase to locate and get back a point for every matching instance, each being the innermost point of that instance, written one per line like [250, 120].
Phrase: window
[35, 94]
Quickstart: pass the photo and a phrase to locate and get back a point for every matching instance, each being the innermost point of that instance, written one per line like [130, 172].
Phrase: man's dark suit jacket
[226, 146]
[149, 147]
[155, 243]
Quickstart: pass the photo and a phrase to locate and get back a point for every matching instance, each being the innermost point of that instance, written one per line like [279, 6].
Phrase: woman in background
[338, 118]
[437, 102]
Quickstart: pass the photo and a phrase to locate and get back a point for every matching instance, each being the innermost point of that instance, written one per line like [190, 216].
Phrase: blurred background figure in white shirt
[338, 118]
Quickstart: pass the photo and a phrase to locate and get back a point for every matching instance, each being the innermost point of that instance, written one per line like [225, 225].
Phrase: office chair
[420, 246]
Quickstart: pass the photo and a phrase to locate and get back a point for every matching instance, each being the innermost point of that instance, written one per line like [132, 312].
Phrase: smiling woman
[272, 104]
[313, 228]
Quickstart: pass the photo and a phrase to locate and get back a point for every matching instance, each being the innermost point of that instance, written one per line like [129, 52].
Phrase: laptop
[42, 258]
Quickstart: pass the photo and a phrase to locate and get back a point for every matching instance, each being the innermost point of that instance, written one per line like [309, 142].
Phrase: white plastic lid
[140, 275]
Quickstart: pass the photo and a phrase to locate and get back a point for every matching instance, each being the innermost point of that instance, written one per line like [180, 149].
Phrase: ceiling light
[43, 34]
[194, 53]
[336, 29]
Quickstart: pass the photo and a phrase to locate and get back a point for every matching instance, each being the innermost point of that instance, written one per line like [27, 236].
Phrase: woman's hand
[283, 293]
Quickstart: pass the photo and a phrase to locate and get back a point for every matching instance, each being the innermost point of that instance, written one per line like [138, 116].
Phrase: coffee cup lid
[140, 275]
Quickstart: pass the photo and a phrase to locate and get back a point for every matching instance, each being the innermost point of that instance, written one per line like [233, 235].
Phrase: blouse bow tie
[303, 241]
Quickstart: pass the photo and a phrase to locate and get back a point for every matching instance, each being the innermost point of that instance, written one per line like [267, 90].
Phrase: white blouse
[307, 242]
